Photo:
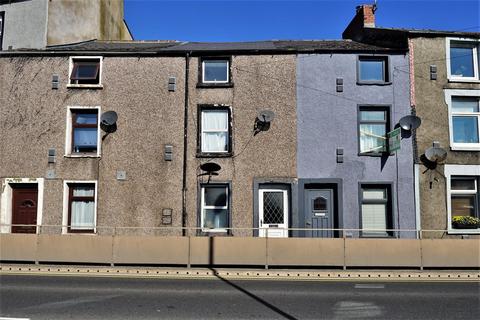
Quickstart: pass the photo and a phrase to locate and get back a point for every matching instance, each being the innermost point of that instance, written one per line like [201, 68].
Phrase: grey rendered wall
[270, 155]
[33, 119]
[25, 24]
[328, 120]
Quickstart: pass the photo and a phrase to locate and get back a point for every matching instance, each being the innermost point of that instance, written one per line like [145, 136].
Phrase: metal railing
[242, 231]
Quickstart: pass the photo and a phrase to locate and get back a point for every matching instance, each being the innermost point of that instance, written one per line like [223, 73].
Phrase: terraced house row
[271, 138]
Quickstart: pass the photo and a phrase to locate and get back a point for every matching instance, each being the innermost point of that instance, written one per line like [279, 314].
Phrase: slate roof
[176, 47]
[430, 32]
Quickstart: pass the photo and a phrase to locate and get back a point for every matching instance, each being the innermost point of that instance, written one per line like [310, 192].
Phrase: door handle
[308, 223]
[261, 222]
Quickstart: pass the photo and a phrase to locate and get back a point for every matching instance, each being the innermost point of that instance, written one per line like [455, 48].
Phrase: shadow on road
[248, 293]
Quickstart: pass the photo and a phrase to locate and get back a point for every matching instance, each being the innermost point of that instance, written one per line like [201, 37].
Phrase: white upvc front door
[273, 213]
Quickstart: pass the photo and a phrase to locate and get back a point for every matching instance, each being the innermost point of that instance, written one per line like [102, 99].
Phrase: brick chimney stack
[367, 13]
[364, 18]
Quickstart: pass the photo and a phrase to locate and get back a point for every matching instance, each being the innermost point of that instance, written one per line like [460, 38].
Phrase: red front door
[24, 207]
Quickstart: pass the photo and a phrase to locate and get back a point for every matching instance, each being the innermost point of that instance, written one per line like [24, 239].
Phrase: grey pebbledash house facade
[309, 170]
[343, 182]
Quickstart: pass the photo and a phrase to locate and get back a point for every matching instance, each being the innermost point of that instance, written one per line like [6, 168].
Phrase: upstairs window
[214, 72]
[83, 137]
[85, 71]
[373, 70]
[215, 131]
[464, 119]
[373, 128]
[462, 59]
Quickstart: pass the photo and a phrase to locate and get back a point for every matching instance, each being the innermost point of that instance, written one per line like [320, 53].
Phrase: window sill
[375, 155]
[85, 86]
[81, 232]
[214, 155]
[463, 231]
[365, 236]
[373, 83]
[475, 147]
[472, 80]
[202, 85]
[82, 156]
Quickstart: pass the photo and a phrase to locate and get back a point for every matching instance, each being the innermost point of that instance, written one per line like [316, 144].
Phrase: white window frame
[6, 201]
[448, 100]
[66, 190]
[220, 59]
[70, 68]
[458, 170]
[68, 135]
[474, 43]
[227, 111]
[204, 207]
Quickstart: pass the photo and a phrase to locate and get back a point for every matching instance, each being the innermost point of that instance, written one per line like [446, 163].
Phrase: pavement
[48, 296]
[241, 273]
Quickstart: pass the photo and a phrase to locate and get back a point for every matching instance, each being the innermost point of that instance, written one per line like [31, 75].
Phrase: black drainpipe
[185, 131]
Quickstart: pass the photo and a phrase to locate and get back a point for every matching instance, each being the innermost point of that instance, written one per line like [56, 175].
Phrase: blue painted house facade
[348, 177]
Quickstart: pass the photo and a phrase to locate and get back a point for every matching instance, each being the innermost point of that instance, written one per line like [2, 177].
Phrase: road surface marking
[369, 286]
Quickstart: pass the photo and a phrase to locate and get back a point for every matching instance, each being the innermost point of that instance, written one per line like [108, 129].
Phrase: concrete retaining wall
[441, 253]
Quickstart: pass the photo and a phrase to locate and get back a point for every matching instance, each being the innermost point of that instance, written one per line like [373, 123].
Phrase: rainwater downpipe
[185, 134]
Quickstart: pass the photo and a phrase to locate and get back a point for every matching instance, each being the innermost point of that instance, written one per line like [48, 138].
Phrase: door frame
[286, 210]
[290, 184]
[6, 209]
[337, 185]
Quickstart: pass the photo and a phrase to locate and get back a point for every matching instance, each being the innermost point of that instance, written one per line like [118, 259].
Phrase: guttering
[185, 141]
[194, 53]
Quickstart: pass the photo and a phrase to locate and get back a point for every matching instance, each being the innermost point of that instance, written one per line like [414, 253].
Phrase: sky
[250, 20]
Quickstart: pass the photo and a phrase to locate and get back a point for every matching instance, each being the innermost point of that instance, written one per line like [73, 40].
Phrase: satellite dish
[262, 122]
[436, 154]
[266, 116]
[108, 121]
[210, 167]
[410, 122]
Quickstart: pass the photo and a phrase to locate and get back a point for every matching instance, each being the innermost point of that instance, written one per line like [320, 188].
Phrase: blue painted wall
[328, 120]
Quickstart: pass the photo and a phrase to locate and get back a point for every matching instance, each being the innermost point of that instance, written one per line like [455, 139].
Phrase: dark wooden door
[24, 207]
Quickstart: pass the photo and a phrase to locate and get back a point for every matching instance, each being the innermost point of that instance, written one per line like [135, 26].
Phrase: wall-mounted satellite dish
[263, 120]
[210, 168]
[436, 154]
[108, 121]
[431, 158]
[410, 122]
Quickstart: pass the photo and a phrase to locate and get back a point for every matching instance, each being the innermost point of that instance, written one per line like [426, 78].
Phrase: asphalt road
[60, 297]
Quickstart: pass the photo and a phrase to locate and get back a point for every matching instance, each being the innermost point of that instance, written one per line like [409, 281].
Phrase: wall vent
[172, 84]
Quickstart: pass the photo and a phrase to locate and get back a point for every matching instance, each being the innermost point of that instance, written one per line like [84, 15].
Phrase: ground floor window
[81, 207]
[463, 200]
[215, 209]
[376, 210]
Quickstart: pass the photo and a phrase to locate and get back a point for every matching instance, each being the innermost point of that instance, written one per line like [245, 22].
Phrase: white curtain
[214, 131]
[372, 138]
[83, 212]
